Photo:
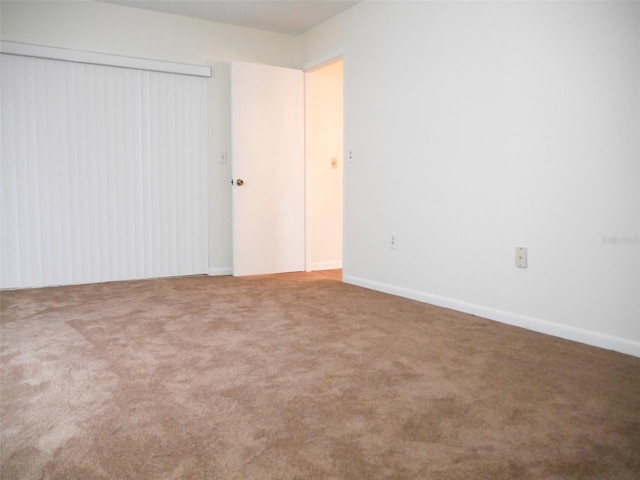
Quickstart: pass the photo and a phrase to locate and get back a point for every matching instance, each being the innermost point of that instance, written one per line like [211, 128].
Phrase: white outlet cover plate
[393, 240]
[521, 257]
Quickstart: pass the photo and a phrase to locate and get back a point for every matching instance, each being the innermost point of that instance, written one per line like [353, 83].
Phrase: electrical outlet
[393, 240]
[521, 257]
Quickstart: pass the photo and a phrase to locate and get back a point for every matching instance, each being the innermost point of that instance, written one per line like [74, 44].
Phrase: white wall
[114, 29]
[324, 141]
[479, 126]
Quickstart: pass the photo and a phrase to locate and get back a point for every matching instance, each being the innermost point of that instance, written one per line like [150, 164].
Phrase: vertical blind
[103, 173]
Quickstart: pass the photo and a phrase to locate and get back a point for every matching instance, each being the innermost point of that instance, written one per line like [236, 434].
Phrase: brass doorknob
[239, 182]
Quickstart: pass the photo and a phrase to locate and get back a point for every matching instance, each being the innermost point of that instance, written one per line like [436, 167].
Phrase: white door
[267, 130]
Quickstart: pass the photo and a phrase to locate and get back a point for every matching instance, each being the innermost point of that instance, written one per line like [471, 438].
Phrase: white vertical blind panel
[178, 183]
[103, 173]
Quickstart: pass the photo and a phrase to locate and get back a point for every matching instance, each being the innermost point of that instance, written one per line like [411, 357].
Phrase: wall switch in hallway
[223, 158]
[521, 257]
[393, 240]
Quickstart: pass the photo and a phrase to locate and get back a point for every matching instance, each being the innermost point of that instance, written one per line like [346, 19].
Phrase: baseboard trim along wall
[326, 265]
[537, 325]
[218, 272]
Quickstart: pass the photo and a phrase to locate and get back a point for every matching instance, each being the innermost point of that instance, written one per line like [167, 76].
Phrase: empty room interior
[320, 239]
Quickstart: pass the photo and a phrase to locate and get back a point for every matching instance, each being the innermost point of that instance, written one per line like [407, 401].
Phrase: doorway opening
[324, 145]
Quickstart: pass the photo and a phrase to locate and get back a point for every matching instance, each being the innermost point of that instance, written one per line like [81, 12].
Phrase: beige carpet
[299, 376]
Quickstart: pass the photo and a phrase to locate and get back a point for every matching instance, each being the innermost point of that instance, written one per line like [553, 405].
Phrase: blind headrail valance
[79, 56]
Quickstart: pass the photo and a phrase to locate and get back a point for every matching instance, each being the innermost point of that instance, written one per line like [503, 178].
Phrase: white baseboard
[326, 265]
[589, 337]
[217, 272]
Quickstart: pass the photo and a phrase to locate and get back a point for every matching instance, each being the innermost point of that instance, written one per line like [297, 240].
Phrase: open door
[267, 141]
[324, 143]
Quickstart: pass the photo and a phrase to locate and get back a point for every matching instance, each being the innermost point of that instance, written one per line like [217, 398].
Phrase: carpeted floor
[299, 376]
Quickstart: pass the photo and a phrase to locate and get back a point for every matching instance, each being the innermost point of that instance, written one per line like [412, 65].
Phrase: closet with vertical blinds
[103, 173]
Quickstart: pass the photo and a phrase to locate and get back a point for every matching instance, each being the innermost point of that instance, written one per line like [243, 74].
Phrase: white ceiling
[291, 17]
